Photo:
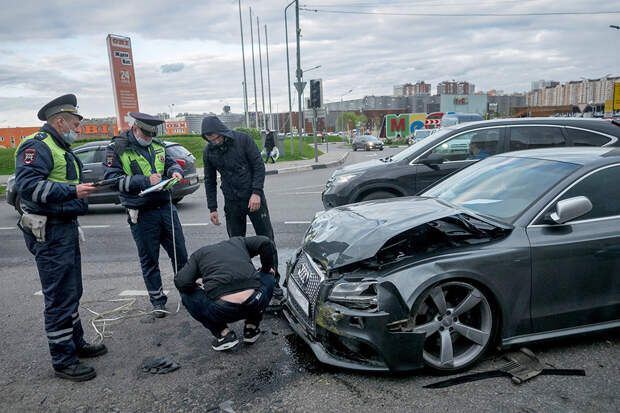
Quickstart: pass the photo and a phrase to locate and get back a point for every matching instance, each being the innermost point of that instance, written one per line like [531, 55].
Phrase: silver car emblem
[304, 274]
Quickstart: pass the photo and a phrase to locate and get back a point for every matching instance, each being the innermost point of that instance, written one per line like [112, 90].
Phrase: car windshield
[371, 139]
[501, 187]
[407, 153]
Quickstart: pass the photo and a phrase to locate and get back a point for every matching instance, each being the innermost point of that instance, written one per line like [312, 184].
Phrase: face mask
[69, 137]
[143, 142]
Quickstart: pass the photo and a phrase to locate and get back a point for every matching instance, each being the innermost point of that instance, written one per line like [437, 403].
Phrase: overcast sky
[189, 53]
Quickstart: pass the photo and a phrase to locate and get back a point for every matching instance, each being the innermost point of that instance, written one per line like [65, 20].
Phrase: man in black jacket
[236, 157]
[269, 145]
[232, 289]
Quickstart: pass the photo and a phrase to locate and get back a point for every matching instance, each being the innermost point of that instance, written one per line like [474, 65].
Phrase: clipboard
[163, 185]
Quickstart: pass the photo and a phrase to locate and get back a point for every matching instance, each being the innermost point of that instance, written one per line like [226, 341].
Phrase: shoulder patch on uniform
[30, 155]
[109, 158]
[162, 158]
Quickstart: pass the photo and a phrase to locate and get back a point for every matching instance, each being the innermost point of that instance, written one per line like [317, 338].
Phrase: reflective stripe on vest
[59, 170]
[131, 155]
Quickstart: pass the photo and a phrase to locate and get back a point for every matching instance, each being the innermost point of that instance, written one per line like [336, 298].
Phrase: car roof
[602, 125]
[578, 154]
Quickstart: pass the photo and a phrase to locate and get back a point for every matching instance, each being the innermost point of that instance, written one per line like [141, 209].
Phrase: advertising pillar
[123, 78]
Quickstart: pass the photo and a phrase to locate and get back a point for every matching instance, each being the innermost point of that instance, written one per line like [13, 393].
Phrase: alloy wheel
[458, 322]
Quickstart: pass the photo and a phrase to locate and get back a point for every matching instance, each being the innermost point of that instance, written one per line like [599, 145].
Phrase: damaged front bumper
[357, 340]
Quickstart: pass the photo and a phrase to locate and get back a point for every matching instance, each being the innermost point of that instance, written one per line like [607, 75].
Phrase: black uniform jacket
[226, 267]
[238, 161]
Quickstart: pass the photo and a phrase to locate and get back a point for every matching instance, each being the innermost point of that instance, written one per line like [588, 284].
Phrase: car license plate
[299, 298]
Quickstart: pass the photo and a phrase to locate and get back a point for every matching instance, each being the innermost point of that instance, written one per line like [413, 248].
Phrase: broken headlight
[356, 295]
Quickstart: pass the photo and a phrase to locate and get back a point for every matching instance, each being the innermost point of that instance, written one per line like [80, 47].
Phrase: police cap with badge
[146, 122]
[62, 104]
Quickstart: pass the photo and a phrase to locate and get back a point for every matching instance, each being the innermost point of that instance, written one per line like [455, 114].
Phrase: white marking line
[95, 226]
[306, 193]
[38, 292]
[296, 222]
[7, 228]
[196, 224]
[134, 293]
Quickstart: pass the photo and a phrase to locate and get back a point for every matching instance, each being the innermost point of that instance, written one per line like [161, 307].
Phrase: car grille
[308, 277]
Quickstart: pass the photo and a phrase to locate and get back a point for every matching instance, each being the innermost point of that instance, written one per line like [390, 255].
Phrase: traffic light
[316, 93]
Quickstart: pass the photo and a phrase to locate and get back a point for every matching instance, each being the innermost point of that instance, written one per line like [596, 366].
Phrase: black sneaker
[226, 342]
[92, 350]
[76, 372]
[159, 310]
[250, 335]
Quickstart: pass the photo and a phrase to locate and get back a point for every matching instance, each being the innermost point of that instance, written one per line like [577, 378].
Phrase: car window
[88, 155]
[502, 186]
[478, 144]
[580, 137]
[177, 151]
[602, 188]
[532, 137]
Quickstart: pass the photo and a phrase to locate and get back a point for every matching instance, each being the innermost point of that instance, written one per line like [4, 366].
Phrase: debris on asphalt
[161, 365]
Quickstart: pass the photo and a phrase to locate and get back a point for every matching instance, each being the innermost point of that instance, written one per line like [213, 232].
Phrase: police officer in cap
[48, 178]
[141, 162]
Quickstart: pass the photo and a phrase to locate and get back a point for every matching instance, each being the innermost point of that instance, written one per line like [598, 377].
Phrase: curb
[308, 167]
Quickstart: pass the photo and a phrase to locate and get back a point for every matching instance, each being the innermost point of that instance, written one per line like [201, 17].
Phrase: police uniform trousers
[236, 221]
[154, 228]
[60, 270]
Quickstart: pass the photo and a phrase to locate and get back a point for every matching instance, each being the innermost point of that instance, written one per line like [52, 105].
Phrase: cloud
[171, 68]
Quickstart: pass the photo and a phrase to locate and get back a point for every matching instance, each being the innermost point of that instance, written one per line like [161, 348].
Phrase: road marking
[134, 293]
[95, 226]
[6, 228]
[196, 224]
[296, 222]
[38, 292]
[306, 193]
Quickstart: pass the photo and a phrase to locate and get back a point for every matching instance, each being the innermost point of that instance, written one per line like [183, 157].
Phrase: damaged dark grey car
[516, 248]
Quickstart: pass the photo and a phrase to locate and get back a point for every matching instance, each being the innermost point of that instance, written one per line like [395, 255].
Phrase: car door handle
[87, 170]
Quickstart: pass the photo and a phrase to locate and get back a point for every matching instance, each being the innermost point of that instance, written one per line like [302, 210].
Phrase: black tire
[378, 195]
[366, 148]
[354, 148]
[381, 148]
[459, 322]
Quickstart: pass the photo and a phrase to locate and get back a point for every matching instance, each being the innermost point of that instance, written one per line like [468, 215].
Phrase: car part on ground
[484, 257]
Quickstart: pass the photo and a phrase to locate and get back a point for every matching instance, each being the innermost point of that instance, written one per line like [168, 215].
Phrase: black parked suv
[92, 155]
[456, 147]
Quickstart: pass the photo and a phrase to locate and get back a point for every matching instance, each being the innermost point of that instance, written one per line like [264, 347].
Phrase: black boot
[76, 372]
[92, 350]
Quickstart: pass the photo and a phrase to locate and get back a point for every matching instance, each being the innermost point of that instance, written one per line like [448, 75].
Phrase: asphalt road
[278, 373]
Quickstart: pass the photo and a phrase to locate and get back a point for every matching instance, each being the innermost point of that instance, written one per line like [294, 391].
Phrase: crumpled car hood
[351, 233]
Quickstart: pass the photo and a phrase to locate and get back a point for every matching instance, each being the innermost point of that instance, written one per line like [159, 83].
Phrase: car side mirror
[432, 160]
[571, 208]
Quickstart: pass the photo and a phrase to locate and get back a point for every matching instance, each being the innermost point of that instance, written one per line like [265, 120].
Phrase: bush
[394, 141]
[254, 133]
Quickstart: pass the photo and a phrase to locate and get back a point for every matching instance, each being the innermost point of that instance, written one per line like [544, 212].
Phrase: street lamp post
[288, 73]
[341, 110]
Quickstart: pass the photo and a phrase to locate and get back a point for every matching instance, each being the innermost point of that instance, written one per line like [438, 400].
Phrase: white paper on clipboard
[158, 187]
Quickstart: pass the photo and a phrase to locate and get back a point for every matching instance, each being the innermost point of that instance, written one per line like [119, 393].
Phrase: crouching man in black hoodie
[232, 289]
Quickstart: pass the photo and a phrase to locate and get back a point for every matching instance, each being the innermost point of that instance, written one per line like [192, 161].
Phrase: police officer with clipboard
[140, 162]
[48, 178]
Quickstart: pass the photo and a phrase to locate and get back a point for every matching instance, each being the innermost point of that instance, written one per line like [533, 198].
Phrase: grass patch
[2, 189]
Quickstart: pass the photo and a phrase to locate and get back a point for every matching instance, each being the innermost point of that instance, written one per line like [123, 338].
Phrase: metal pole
[314, 123]
[254, 72]
[260, 64]
[288, 74]
[299, 76]
[268, 80]
[245, 82]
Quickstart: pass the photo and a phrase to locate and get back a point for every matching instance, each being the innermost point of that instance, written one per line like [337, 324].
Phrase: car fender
[512, 300]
